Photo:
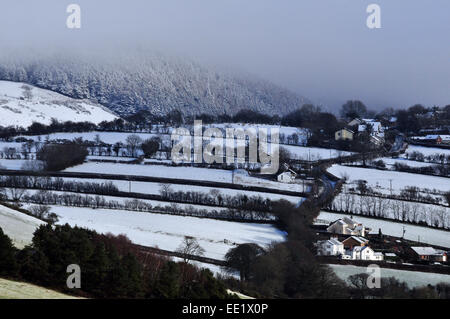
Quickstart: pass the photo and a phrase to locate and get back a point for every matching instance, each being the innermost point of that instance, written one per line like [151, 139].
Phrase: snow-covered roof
[346, 129]
[359, 239]
[334, 241]
[376, 126]
[349, 221]
[331, 241]
[378, 254]
[432, 137]
[426, 251]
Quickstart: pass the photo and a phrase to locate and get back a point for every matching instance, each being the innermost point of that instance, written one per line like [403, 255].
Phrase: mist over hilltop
[127, 83]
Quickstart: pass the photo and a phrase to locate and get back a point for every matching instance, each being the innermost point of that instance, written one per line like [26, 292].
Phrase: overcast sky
[321, 49]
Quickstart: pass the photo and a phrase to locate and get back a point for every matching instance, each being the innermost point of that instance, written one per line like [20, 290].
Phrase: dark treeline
[415, 119]
[437, 158]
[111, 267]
[58, 184]
[438, 170]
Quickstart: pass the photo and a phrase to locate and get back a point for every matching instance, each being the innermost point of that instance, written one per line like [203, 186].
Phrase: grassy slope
[20, 290]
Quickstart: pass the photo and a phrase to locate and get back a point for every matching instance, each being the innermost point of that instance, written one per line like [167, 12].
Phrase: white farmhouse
[287, 177]
[347, 226]
[330, 247]
[364, 253]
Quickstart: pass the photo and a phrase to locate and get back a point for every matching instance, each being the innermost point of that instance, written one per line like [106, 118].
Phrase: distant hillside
[22, 104]
[153, 82]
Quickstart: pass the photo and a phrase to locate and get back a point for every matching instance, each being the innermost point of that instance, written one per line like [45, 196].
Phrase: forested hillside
[155, 82]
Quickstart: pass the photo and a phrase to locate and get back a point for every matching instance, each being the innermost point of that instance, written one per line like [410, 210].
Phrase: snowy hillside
[22, 104]
[18, 226]
[130, 82]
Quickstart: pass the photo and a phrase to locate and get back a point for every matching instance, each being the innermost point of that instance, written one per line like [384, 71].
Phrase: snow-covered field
[427, 151]
[412, 278]
[380, 180]
[167, 232]
[18, 226]
[416, 233]
[314, 153]
[13, 164]
[192, 173]
[22, 104]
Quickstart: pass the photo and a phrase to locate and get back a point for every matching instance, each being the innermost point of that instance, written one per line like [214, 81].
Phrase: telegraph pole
[390, 185]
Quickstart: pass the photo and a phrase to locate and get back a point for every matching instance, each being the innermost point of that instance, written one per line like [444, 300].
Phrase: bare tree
[447, 198]
[133, 142]
[27, 91]
[16, 194]
[10, 152]
[189, 247]
[33, 166]
[165, 190]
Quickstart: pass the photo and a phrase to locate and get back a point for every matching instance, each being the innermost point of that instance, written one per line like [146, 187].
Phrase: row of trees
[58, 184]
[408, 193]
[438, 170]
[96, 201]
[399, 210]
[14, 188]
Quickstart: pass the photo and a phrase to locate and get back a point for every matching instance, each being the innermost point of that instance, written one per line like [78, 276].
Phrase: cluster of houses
[351, 248]
[354, 247]
[356, 126]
